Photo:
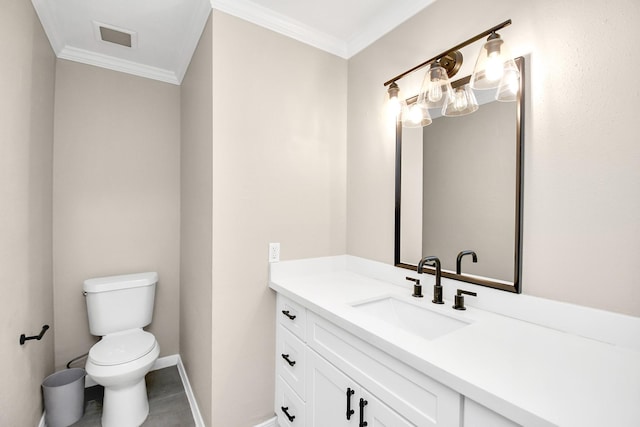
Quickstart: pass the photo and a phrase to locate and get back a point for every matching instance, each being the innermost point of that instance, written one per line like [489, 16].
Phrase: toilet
[118, 308]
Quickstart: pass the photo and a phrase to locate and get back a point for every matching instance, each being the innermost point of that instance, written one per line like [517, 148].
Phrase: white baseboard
[197, 417]
[161, 363]
[273, 422]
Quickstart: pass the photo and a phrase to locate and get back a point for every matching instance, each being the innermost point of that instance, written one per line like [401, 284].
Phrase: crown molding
[243, 9]
[117, 64]
[378, 27]
[382, 24]
[261, 16]
[174, 75]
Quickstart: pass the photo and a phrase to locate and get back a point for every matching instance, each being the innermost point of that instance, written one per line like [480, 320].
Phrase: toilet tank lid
[114, 283]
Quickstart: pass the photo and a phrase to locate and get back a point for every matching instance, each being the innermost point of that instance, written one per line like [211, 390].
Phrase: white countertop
[530, 374]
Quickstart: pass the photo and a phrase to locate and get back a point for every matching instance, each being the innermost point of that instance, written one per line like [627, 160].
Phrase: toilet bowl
[118, 308]
[122, 373]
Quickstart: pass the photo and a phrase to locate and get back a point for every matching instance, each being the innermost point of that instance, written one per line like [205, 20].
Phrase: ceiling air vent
[111, 34]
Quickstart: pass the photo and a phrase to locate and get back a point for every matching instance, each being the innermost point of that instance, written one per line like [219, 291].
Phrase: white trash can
[64, 397]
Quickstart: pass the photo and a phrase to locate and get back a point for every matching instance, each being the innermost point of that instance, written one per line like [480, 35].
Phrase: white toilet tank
[120, 303]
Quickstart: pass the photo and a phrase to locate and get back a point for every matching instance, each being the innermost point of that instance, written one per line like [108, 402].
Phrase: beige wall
[279, 159]
[116, 195]
[196, 222]
[581, 203]
[26, 143]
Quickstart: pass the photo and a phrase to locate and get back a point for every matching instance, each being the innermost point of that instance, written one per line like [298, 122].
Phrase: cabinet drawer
[418, 398]
[292, 316]
[290, 360]
[289, 408]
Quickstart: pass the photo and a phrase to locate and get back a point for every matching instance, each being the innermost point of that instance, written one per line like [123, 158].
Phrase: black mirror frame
[516, 287]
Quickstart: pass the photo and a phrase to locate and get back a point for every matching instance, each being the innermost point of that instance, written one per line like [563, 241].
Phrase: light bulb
[394, 106]
[509, 85]
[435, 92]
[512, 83]
[495, 67]
[415, 114]
[394, 103]
[460, 103]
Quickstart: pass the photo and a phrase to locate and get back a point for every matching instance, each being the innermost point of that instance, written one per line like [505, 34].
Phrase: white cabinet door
[335, 400]
[377, 414]
[326, 392]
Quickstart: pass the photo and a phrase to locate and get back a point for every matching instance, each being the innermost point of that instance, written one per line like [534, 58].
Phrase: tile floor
[168, 404]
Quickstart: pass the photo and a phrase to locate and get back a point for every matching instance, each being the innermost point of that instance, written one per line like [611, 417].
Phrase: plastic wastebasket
[64, 397]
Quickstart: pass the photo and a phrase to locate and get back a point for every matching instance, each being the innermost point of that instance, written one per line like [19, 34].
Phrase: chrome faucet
[459, 259]
[437, 288]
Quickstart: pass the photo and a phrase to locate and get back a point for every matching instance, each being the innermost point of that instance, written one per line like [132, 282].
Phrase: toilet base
[125, 407]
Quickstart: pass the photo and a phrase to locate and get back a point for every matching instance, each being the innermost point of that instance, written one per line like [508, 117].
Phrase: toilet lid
[122, 347]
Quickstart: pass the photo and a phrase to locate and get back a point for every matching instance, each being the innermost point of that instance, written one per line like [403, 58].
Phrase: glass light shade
[415, 115]
[435, 87]
[494, 59]
[394, 102]
[461, 101]
[509, 85]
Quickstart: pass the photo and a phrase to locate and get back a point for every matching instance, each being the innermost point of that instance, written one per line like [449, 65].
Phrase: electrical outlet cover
[274, 252]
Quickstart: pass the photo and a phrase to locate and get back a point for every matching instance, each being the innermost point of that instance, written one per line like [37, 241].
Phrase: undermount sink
[409, 317]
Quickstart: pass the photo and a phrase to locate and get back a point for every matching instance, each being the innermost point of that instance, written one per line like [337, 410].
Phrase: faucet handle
[458, 299]
[417, 287]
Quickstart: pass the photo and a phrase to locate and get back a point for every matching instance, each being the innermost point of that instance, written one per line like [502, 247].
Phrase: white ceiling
[166, 32]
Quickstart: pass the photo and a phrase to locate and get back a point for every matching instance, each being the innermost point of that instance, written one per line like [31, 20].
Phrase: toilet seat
[120, 348]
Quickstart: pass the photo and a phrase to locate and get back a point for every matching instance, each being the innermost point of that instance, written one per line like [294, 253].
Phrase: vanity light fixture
[494, 68]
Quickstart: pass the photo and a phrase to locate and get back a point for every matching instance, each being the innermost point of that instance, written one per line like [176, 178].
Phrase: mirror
[459, 188]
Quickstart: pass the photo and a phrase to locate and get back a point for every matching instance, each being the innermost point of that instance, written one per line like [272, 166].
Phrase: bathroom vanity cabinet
[349, 331]
[326, 376]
